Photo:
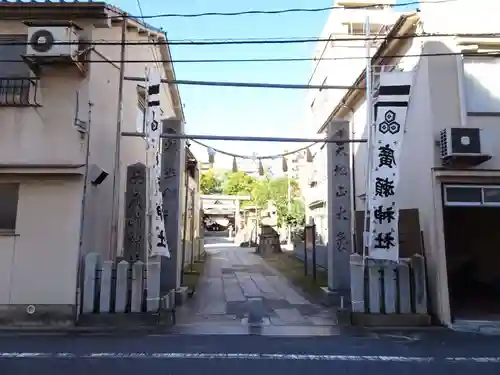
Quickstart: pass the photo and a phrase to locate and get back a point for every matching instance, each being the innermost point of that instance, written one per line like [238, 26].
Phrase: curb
[93, 329]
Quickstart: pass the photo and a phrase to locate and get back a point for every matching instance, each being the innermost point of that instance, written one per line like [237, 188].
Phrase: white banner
[390, 120]
[157, 237]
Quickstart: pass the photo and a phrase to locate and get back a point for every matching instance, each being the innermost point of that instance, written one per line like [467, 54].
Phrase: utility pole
[289, 198]
[116, 168]
[369, 121]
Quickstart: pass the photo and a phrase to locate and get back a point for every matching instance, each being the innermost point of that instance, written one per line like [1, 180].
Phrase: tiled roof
[78, 3]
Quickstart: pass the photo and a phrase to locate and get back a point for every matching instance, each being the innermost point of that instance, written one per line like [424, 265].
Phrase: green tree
[238, 183]
[276, 190]
[210, 183]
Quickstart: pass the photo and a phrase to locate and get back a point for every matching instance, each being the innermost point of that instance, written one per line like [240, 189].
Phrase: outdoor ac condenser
[461, 146]
[52, 41]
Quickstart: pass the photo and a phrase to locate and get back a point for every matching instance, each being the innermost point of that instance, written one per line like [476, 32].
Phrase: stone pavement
[240, 293]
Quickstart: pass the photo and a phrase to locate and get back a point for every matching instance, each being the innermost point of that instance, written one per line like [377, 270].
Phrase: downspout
[353, 181]
[461, 89]
[79, 266]
[117, 159]
[184, 229]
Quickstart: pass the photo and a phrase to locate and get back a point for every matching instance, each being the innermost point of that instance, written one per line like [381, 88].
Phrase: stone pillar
[237, 217]
[135, 239]
[197, 201]
[171, 185]
[339, 208]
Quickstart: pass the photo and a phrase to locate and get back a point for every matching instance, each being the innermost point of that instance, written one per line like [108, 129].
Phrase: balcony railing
[19, 92]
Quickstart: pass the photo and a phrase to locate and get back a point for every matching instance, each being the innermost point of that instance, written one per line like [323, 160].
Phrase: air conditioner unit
[461, 147]
[52, 41]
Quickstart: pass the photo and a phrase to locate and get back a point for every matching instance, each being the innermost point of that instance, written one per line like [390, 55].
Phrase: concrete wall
[103, 84]
[38, 262]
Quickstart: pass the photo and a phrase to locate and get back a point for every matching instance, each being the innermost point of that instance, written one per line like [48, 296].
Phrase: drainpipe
[461, 90]
[79, 265]
[116, 167]
[184, 229]
[353, 181]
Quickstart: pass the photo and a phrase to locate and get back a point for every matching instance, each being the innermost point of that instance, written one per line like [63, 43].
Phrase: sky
[240, 111]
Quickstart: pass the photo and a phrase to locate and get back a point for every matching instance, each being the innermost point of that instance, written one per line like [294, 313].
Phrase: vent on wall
[461, 147]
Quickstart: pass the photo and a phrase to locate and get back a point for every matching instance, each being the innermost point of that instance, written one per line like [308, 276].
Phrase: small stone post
[134, 244]
[339, 208]
[172, 177]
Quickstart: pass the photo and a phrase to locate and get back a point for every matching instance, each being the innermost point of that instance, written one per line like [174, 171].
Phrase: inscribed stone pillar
[339, 207]
[237, 216]
[197, 202]
[171, 187]
[134, 243]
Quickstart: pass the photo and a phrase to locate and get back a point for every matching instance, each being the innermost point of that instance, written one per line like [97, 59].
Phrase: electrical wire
[289, 10]
[265, 41]
[279, 59]
[244, 13]
[157, 61]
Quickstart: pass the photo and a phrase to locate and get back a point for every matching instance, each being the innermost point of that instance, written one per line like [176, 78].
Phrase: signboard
[309, 237]
[390, 119]
[158, 241]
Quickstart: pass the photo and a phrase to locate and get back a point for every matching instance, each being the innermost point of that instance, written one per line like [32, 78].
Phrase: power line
[289, 10]
[279, 59]
[268, 41]
[249, 12]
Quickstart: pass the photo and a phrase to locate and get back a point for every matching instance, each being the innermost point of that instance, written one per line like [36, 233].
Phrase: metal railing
[19, 91]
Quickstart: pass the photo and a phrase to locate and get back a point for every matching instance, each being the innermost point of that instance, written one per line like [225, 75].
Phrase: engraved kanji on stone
[340, 170]
[341, 191]
[341, 213]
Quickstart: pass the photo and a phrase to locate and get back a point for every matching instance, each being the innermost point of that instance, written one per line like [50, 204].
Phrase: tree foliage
[261, 192]
[276, 190]
[238, 183]
[210, 183]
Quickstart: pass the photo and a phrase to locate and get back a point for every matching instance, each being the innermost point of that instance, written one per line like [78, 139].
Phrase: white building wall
[342, 61]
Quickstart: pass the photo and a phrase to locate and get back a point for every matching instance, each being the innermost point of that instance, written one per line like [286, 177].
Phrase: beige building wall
[104, 80]
[38, 261]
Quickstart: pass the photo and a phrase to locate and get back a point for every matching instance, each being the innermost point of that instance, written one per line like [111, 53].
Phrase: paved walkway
[240, 293]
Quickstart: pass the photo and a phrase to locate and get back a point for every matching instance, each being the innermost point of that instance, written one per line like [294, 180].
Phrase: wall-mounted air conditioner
[461, 147]
[52, 41]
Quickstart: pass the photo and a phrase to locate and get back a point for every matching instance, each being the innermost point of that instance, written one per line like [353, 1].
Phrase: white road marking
[245, 356]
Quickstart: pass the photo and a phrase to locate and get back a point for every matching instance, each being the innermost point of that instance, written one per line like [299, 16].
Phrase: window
[14, 72]
[141, 118]
[491, 195]
[11, 62]
[482, 91]
[140, 121]
[463, 195]
[469, 195]
[9, 196]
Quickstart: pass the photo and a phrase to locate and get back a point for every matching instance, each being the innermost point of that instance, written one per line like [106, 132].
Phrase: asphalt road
[348, 353]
